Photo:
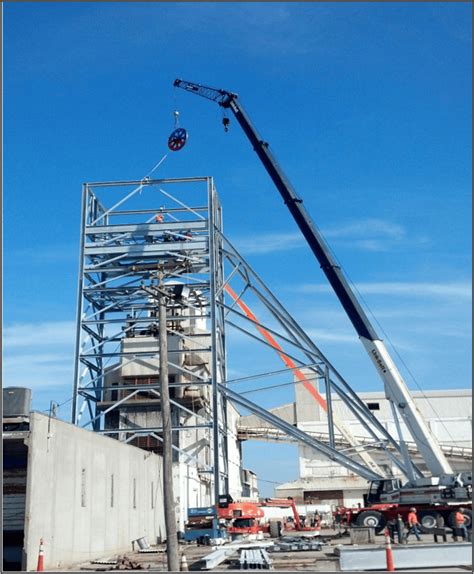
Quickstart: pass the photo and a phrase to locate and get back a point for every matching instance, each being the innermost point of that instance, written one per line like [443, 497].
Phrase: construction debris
[124, 563]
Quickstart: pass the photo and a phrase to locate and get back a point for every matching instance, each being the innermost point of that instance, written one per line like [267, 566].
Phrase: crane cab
[382, 491]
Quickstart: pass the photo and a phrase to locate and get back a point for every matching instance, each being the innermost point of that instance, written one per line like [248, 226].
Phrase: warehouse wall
[88, 496]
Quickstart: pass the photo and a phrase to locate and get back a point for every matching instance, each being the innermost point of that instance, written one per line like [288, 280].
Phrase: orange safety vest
[412, 518]
[459, 518]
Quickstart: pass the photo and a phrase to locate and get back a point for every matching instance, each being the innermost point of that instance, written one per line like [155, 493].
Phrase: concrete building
[321, 481]
[85, 494]
[88, 495]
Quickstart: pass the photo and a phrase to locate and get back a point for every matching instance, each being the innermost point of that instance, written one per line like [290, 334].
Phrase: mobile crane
[443, 488]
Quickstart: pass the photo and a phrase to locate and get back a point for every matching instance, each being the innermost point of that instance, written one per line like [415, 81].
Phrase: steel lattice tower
[116, 388]
[129, 231]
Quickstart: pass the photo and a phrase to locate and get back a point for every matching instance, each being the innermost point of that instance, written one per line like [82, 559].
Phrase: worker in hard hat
[413, 525]
[160, 216]
[460, 524]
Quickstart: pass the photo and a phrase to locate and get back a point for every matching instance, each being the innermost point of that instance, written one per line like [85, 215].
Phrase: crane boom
[396, 389]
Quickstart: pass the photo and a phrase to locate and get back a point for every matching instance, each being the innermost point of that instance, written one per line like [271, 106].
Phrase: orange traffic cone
[184, 564]
[40, 566]
[388, 552]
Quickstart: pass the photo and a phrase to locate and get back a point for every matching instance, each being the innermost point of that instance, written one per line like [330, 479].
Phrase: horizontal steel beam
[142, 353]
[145, 182]
[150, 249]
[153, 429]
[145, 227]
[142, 319]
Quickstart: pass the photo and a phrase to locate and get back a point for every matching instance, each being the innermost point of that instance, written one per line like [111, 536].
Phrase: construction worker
[413, 525]
[400, 529]
[160, 216]
[460, 525]
[392, 528]
[317, 520]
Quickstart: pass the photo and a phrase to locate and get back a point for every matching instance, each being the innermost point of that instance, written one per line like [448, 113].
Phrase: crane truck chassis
[377, 515]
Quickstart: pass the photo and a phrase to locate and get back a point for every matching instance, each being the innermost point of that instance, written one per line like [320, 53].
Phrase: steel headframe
[306, 363]
[120, 250]
[130, 230]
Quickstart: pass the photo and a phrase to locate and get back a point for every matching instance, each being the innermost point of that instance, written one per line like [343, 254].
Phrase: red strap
[288, 362]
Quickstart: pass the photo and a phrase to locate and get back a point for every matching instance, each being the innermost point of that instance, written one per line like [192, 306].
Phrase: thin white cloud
[365, 235]
[39, 356]
[411, 289]
[365, 227]
[269, 243]
[331, 335]
[33, 335]
[39, 371]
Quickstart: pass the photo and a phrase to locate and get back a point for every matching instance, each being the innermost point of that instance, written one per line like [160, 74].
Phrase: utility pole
[168, 494]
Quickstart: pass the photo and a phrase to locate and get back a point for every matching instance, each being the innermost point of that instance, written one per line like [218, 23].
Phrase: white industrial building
[323, 482]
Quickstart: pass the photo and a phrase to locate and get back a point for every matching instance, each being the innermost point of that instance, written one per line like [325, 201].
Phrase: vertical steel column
[327, 383]
[220, 311]
[77, 365]
[214, 341]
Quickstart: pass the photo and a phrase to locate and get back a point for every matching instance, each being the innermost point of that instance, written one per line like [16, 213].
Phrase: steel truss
[281, 333]
[121, 252]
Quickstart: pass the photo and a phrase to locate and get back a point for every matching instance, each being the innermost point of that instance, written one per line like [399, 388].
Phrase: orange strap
[288, 362]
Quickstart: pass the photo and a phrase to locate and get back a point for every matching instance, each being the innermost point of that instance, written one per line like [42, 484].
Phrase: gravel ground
[309, 561]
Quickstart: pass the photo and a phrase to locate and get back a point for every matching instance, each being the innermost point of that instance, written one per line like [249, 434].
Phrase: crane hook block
[177, 139]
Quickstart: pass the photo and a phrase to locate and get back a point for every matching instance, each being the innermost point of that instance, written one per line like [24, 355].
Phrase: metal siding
[14, 511]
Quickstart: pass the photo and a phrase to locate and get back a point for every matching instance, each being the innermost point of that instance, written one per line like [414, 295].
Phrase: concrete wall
[70, 500]
[233, 452]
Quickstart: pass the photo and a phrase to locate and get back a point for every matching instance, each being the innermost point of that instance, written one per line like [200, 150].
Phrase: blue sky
[367, 106]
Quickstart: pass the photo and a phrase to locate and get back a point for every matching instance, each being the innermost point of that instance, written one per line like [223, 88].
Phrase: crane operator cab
[379, 490]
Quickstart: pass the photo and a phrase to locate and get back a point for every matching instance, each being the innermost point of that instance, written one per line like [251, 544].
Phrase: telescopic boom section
[396, 389]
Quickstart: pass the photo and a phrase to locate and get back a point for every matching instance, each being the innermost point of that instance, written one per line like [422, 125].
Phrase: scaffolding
[131, 231]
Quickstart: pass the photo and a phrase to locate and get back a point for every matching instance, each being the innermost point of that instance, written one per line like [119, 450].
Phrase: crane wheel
[430, 519]
[371, 518]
